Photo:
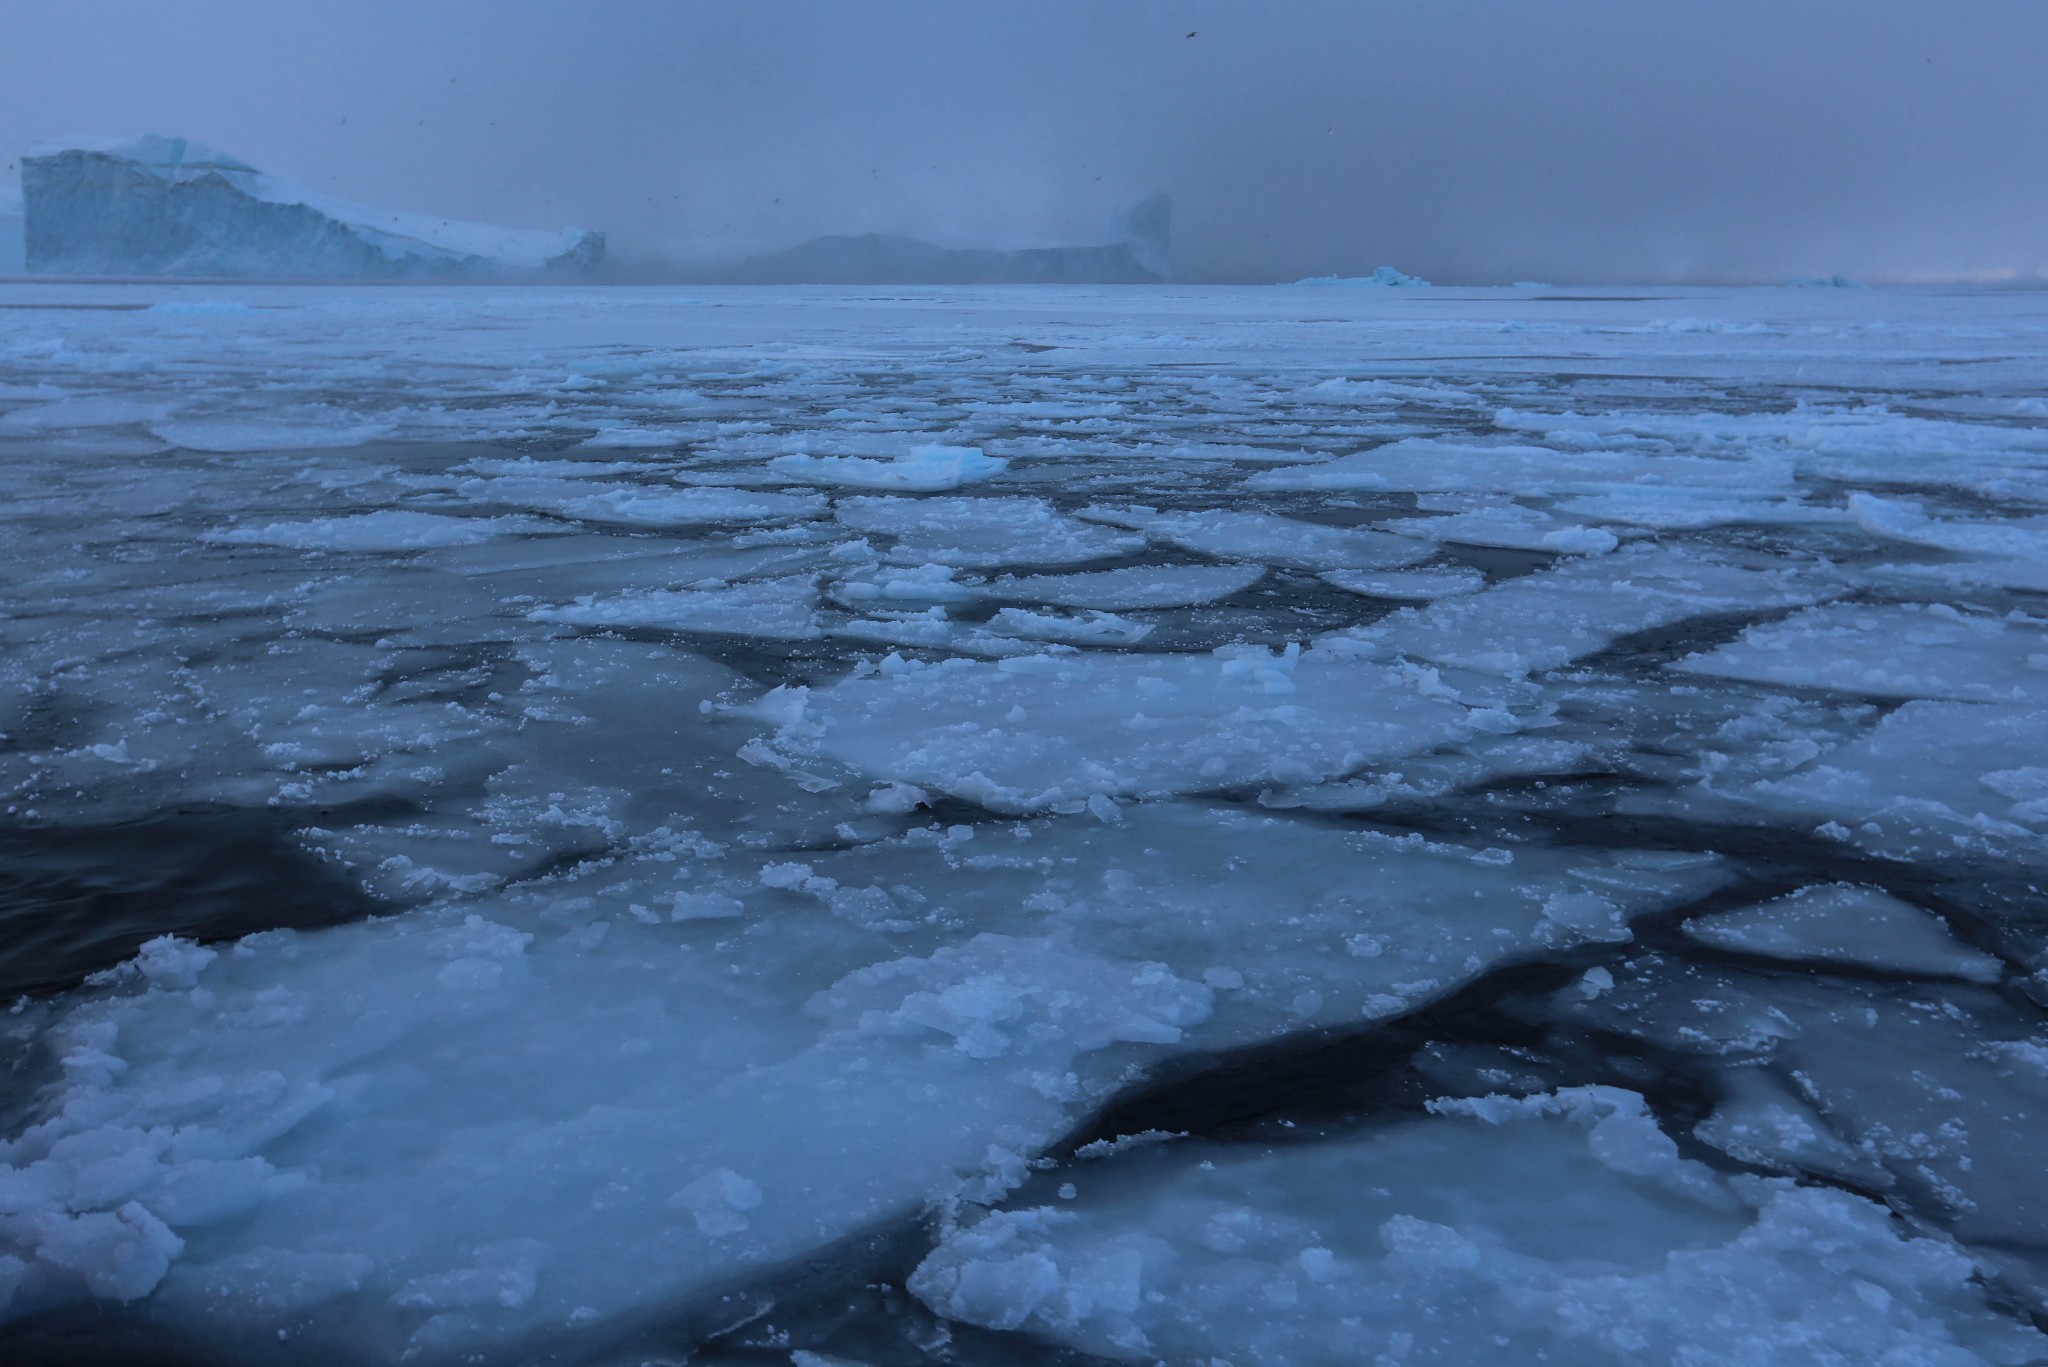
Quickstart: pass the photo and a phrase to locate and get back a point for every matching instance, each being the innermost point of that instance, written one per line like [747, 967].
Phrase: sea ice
[981, 533]
[1558, 1227]
[1135, 586]
[1844, 923]
[720, 955]
[1270, 537]
[1043, 731]
[924, 469]
[1541, 621]
[1907, 650]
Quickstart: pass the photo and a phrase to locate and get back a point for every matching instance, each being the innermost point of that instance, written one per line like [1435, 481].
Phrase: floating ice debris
[1245, 535]
[1900, 651]
[1133, 587]
[1415, 586]
[924, 469]
[387, 530]
[1847, 924]
[976, 533]
[1563, 1226]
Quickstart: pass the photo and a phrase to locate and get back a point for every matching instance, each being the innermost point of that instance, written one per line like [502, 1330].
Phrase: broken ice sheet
[1269, 537]
[1848, 924]
[1929, 1091]
[1905, 650]
[748, 977]
[980, 533]
[1557, 1227]
[1135, 586]
[1544, 620]
[706, 1061]
[1040, 730]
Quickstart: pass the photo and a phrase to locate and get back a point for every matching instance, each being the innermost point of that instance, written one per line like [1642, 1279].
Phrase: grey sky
[1482, 140]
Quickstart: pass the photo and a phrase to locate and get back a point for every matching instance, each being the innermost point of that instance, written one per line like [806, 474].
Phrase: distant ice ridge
[1137, 253]
[166, 206]
[1386, 277]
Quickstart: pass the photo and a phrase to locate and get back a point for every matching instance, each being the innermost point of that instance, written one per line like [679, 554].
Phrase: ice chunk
[1092, 628]
[1277, 540]
[1035, 732]
[166, 206]
[924, 469]
[1939, 777]
[975, 533]
[649, 507]
[387, 530]
[1512, 526]
[1895, 651]
[1846, 923]
[1930, 1092]
[2009, 553]
[1420, 465]
[1690, 509]
[1561, 1227]
[1135, 586]
[783, 609]
[1542, 621]
[1412, 586]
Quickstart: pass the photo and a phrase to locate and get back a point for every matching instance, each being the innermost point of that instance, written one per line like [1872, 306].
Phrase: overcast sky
[1473, 141]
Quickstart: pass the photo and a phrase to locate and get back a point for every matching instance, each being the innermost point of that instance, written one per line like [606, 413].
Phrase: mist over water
[1467, 142]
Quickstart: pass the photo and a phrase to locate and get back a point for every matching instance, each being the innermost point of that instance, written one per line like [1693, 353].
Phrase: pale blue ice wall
[12, 251]
[165, 206]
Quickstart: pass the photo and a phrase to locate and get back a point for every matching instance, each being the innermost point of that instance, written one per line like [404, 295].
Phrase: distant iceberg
[1386, 277]
[1137, 254]
[166, 206]
[13, 252]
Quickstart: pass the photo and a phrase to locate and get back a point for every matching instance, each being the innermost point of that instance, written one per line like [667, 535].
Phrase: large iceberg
[1136, 254]
[166, 206]
[12, 255]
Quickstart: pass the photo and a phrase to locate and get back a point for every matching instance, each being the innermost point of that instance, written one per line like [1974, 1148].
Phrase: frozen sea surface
[1023, 826]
